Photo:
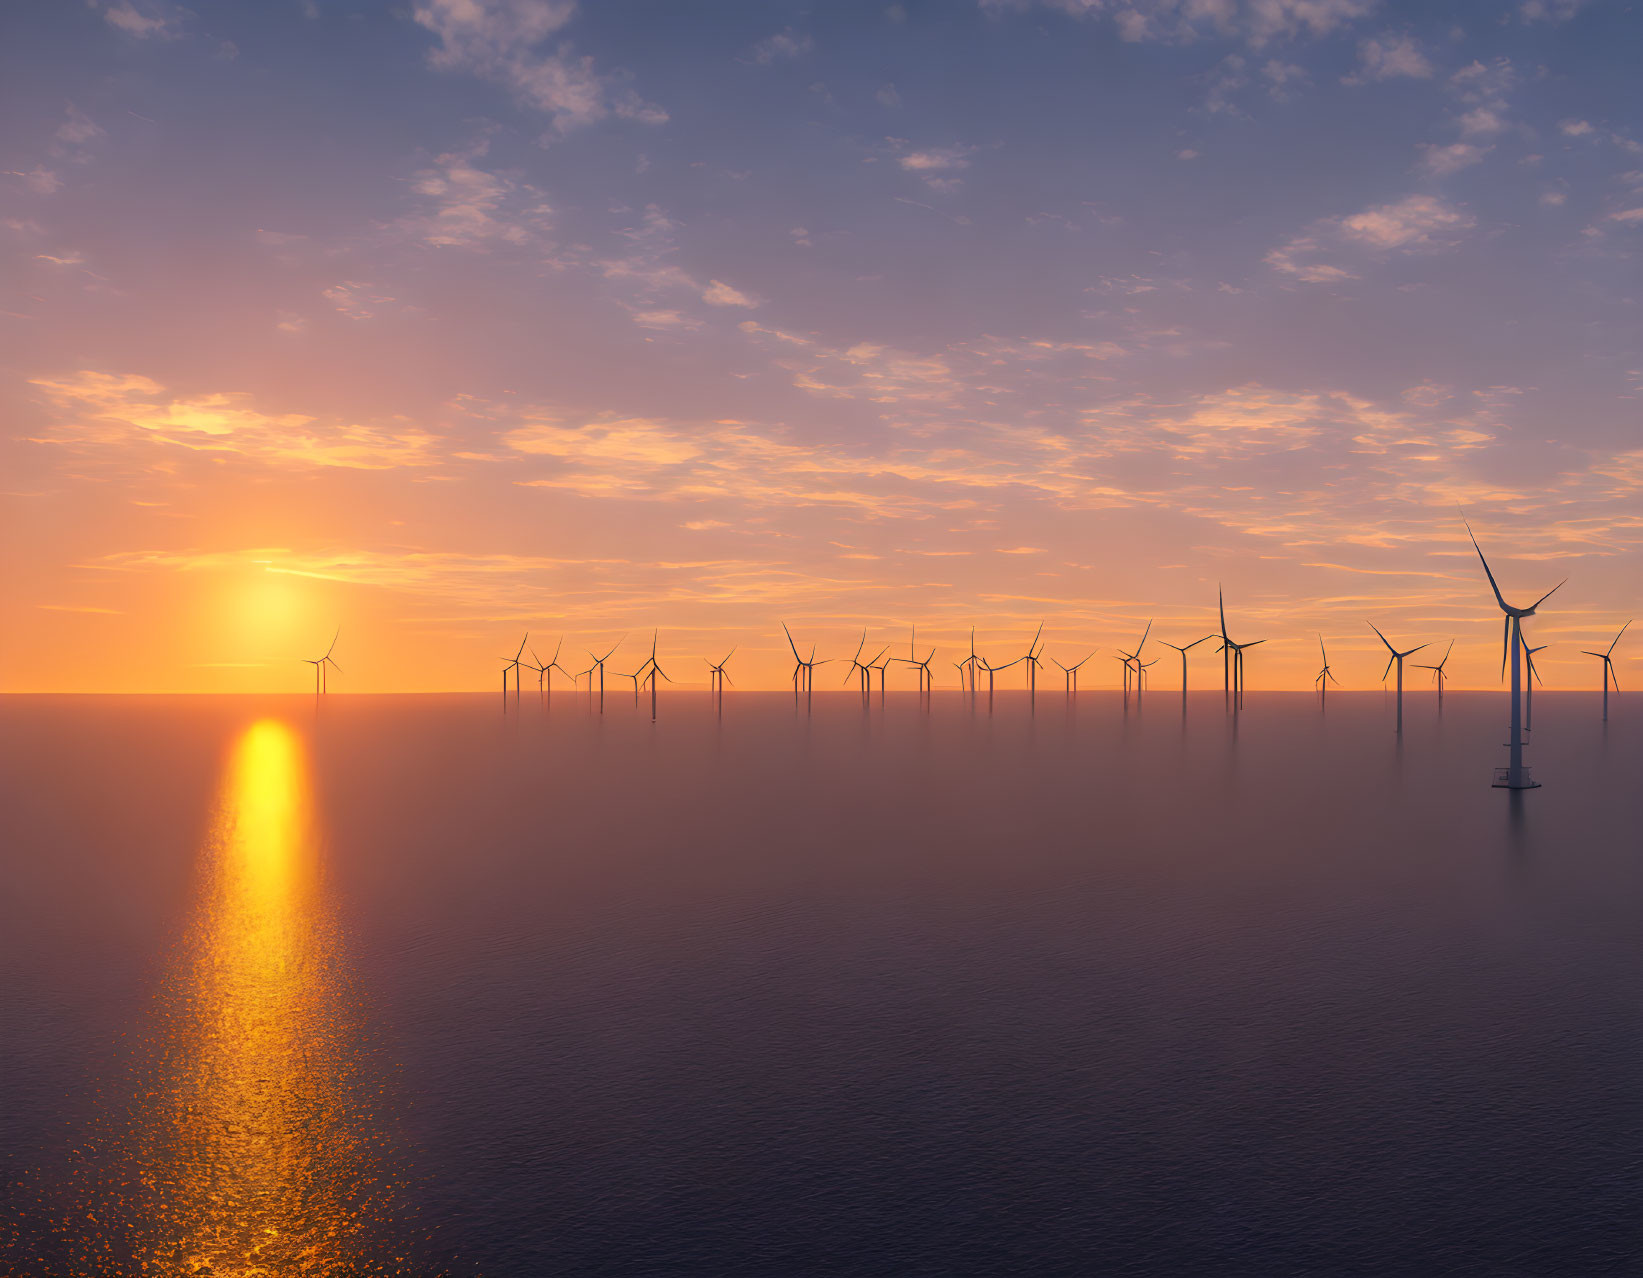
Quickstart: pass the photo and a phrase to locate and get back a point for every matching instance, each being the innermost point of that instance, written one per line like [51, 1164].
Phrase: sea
[760, 985]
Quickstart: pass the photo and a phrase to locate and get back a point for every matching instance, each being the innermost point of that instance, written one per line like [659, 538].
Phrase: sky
[446, 320]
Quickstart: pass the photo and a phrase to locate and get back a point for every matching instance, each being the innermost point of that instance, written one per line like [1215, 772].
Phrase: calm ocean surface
[410, 985]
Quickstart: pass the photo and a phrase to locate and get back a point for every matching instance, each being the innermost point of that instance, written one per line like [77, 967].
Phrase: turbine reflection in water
[256, 1145]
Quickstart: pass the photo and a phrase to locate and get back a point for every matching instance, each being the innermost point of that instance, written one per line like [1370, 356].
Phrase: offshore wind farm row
[1517, 656]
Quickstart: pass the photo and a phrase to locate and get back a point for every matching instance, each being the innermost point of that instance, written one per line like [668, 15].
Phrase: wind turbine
[1515, 778]
[857, 669]
[993, 670]
[1438, 671]
[1235, 684]
[635, 676]
[1529, 689]
[544, 673]
[1608, 670]
[1397, 657]
[1070, 673]
[926, 680]
[1326, 675]
[801, 665]
[716, 676]
[969, 663]
[1033, 650]
[1135, 657]
[513, 663]
[1183, 651]
[321, 683]
[599, 665]
[881, 663]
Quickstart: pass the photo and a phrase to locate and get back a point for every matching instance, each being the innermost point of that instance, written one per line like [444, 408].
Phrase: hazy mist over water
[1061, 988]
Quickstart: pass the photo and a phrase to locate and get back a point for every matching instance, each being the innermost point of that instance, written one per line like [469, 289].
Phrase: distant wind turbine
[1133, 660]
[655, 669]
[716, 676]
[1034, 649]
[321, 683]
[801, 665]
[926, 680]
[1234, 676]
[1326, 676]
[1183, 650]
[1529, 690]
[1438, 672]
[1071, 672]
[1606, 658]
[993, 670]
[1514, 778]
[969, 664]
[599, 665]
[1395, 657]
[513, 663]
[544, 673]
[859, 671]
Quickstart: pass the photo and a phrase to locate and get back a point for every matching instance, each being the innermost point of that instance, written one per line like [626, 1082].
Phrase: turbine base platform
[1503, 780]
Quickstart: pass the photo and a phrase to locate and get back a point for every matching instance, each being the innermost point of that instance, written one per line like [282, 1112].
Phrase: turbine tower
[1397, 657]
[1608, 670]
[1514, 776]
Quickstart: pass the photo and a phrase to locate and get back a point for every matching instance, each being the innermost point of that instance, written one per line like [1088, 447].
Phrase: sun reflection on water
[256, 1146]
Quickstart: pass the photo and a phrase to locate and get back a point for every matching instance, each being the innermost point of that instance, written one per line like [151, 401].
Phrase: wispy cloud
[784, 46]
[1331, 250]
[104, 410]
[501, 41]
[463, 205]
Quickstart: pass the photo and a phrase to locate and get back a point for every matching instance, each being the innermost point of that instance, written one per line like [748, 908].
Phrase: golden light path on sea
[256, 1146]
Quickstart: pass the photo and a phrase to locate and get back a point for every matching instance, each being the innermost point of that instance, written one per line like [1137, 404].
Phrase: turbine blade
[1617, 637]
[1487, 572]
[1505, 637]
[1377, 630]
[1549, 594]
[1388, 669]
